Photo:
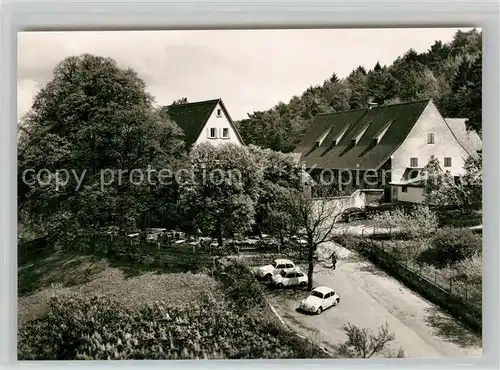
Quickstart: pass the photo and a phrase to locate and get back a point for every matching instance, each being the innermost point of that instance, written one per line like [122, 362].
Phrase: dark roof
[192, 117]
[469, 140]
[364, 154]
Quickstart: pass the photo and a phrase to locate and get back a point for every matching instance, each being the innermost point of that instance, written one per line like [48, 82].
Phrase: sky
[251, 70]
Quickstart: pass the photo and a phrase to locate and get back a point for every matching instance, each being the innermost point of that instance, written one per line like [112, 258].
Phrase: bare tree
[363, 343]
[316, 216]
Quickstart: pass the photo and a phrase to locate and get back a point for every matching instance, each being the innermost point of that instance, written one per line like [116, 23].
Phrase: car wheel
[337, 301]
[302, 283]
[268, 277]
[280, 285]
[319, 310]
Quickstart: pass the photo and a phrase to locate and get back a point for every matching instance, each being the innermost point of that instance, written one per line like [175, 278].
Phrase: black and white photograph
[249, 194]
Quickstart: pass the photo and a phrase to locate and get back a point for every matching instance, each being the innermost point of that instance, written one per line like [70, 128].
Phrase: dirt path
[369, 297]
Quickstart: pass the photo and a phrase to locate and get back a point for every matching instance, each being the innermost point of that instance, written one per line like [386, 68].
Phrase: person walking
[334, 260]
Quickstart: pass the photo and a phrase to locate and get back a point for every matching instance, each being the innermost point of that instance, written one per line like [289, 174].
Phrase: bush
[240, 286]
[98, 328]
[418, 221]
[451, 245]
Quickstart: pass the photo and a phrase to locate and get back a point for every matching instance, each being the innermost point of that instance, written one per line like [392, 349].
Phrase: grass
[63, 274]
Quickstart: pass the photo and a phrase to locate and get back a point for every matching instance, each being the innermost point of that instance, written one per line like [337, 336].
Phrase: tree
[315, 217]
[180, 101]
[359, 88]
[441, 188]
[363, 343]
[218, 189]
[280, 173]
[91, 118]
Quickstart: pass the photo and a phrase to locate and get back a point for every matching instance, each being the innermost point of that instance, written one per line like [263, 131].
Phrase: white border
[123, 14]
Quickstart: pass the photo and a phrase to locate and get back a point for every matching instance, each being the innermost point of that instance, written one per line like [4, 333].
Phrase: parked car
[352, 214]
[319, 300]
[267, 271]
[289, 277]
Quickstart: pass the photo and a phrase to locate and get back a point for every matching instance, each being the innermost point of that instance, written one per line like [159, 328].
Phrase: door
[394, 193]
[328, 300]
[292, 279]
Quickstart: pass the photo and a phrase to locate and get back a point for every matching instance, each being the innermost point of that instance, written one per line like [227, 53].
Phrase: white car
[319, 300]
[267, 271]
[289, 277]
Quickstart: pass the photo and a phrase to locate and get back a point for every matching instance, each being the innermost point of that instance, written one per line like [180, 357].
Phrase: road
[369, 297]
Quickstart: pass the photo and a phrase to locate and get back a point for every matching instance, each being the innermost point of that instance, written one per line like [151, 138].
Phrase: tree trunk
[310, 269]
[220, 239]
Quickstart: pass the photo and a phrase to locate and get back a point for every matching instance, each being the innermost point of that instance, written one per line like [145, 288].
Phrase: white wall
[413, 194]
[219, 123]
[415, 145]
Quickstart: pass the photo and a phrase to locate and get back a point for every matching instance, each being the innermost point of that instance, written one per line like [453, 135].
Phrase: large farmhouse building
[385, 147]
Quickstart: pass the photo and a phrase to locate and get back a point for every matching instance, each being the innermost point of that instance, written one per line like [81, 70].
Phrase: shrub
[363, 343]
[240, 286]
[419, 221]
[451, 245]
[99, 328]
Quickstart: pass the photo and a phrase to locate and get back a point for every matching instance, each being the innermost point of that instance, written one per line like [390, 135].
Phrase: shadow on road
[449, 329]
[372, 269]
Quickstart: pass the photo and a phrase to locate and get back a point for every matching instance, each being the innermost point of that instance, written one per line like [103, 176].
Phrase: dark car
[352, 214]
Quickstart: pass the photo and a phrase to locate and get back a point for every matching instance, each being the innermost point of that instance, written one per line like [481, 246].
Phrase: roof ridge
[195, 102]
[375, 107]
[402, 103]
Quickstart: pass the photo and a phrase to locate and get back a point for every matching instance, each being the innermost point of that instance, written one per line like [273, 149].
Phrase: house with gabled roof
[205, 121]
[385, 147]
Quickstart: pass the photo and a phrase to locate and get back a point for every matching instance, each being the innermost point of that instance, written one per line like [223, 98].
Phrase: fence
[168, 253]
[464, 300]
[431, 290]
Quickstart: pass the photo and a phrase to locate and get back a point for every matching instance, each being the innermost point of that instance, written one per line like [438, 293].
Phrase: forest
[449, 73]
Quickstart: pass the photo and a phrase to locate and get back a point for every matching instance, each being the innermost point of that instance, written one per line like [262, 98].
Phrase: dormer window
[359, 136]
[382, 133]
[320, 140]
[338, 138]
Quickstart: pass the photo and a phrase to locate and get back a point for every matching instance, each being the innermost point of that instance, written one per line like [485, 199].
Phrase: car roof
[323, 289]
[282, 260]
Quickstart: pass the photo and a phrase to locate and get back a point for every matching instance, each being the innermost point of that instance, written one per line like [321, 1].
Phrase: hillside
[448, 73]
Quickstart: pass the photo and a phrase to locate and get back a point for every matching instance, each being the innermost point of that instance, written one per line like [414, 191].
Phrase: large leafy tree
[280, 173]
[93, 120]
[218, 189]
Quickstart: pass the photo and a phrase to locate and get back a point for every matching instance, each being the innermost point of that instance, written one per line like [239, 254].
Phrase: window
[289, 266]
[328, 295]
[404, 189]
[280, 266]
[447, 161]
[315, 293]
[213, 133]
[291, 275]
[413, 162]
[430, 138]
[225, 133]
[219, 112]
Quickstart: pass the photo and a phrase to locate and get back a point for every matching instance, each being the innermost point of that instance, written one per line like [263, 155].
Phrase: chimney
[372, 105]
